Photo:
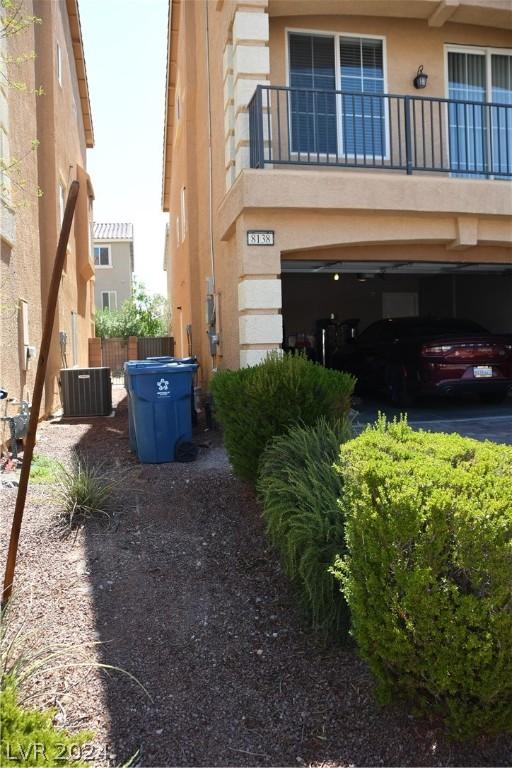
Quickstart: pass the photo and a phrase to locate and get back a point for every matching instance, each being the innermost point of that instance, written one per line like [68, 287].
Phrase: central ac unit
[86, 391]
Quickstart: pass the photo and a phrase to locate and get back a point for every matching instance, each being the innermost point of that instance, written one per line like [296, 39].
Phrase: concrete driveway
[467, 417]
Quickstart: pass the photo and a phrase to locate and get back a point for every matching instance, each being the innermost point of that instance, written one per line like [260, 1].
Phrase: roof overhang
[487, 13]
[170, 88]
[78, 53]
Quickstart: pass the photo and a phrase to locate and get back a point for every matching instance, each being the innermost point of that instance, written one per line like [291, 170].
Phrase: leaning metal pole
[38, 389]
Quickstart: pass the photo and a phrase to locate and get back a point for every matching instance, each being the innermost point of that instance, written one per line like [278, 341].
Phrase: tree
[140, 315]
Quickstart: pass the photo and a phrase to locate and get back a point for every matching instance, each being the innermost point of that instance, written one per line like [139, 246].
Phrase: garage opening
[330, 308]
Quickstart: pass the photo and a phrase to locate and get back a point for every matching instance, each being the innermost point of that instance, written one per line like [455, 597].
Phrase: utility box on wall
[86, 391]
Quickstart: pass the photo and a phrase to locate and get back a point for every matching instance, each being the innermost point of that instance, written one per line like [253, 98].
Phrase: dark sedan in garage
[412, 356]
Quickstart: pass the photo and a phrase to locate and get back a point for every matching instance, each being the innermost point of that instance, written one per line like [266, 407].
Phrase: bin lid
[148, 367]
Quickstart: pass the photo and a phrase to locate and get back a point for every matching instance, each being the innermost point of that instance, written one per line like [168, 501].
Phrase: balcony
[313, 127]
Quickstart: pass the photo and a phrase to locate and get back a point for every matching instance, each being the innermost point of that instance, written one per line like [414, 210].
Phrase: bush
[28, 736]
[428, 571]
[255, 404]
[300, 489]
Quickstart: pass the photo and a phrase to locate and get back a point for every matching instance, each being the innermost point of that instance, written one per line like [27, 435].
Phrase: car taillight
[434, 350]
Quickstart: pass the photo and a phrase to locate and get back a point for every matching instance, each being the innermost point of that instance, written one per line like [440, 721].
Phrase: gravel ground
[182, 592]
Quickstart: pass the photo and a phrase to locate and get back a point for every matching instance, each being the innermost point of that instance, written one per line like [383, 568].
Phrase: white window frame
[111, 304]
[336, 35]
[58, 63]
[102, 266]
[62, 201]
[482, 50]
[183, 213]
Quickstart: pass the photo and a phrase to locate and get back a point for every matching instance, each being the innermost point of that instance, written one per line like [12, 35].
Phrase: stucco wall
[55, 119]
[20, 275]
[117, 277]
[61, 158]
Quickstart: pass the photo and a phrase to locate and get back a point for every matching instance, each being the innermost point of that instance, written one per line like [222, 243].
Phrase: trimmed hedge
[428, 575]
[299, 489]
[255, 404]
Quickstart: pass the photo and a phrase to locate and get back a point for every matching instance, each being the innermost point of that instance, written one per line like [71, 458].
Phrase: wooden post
[38, 389]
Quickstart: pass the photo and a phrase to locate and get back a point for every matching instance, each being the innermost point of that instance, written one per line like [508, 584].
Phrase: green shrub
[28, 736]
[299, 489]
[255, 404]
[428, 571]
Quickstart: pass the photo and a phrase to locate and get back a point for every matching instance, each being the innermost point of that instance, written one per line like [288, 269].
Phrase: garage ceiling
[370, 268]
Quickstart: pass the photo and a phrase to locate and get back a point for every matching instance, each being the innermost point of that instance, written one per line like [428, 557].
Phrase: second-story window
[102, 256]
[58, 64]
[320, 123]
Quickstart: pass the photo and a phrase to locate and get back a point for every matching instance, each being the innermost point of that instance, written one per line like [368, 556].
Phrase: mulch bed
[183, 592]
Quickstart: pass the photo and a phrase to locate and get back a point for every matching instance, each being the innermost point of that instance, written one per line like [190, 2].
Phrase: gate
[114, 354]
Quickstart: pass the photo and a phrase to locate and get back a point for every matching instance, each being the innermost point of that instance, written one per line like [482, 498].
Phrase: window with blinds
[363, 120]
[321, 125]
[313, 112]
[480, 139]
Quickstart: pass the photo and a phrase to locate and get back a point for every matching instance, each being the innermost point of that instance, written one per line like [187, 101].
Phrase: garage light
[420, 81]
[336, 276]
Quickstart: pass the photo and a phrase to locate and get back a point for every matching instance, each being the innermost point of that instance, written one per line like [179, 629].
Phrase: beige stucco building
[113, 262]
[60, 120]
[300, 147]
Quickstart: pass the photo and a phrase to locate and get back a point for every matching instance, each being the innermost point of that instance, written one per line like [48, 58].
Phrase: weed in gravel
[85, 490]
[44, 470]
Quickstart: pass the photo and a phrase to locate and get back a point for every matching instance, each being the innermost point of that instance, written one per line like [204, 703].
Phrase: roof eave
[170, 86]
[78, 53]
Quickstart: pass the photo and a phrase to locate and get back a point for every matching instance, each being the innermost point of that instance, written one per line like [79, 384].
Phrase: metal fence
[115, 352]
[154, 347]
[300, 126]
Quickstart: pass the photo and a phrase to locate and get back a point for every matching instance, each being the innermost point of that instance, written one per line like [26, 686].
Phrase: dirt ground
[182, 591]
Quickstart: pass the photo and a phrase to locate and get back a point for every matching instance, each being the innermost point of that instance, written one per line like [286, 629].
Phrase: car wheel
[493, 398]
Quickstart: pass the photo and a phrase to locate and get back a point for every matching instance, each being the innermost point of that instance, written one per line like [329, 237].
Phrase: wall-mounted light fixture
[420, 81]
[336, 276]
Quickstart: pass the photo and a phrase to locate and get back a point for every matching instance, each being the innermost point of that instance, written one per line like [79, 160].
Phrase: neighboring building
[61, 121]
[113, 260]
[405, 197]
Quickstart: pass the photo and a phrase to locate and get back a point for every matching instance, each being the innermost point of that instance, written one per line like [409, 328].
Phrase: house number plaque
[260, 237]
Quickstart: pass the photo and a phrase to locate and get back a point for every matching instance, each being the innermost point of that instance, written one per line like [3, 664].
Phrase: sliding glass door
[480, 137]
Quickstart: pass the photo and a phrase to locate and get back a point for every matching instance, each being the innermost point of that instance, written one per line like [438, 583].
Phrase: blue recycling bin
[131, 426]
[159, 399]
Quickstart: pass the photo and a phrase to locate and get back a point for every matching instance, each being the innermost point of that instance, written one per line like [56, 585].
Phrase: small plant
[428, 571]
[256, 404]
[44, 470]
[299, 489]
[29, 737]
[85, 490]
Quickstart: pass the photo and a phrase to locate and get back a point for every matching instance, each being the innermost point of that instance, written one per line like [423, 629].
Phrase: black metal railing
[300, 126]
